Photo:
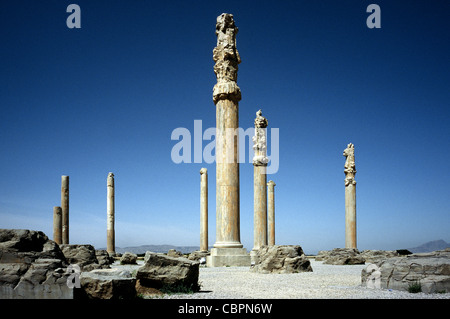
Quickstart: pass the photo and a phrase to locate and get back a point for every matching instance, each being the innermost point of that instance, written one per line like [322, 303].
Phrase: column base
[223, 257]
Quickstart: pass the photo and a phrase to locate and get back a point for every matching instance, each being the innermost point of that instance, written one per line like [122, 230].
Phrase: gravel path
[326, 281]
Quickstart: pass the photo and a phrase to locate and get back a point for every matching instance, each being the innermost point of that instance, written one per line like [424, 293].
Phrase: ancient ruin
[260, 161]
[110, 212]
[65, 208]
[271, 213]
[57, 225]
[228, 249]
[203, 209]
[350, 197]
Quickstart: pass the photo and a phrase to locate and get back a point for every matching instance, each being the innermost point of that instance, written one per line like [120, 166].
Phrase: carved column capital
[260, 141]
[349, 166]
[227, 59]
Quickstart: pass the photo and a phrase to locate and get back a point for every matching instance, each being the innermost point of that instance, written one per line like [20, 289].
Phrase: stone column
[228, 250]
[110, 215]
[203, 209]
[271, 213]
[260, 161]
[65, 208]
[350, 197]
[57, 225]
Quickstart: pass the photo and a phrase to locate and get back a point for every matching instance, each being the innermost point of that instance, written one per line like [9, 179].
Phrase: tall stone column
[271, 213]
[350, 197]
[57, 225]
[260, 161]
[228, 250]
[65, 208]
[110, 215]
[203, 209]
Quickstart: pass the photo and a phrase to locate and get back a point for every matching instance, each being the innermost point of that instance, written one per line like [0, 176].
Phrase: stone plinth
[223, 257]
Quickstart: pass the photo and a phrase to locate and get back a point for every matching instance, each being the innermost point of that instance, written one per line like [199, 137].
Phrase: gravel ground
[325, 282]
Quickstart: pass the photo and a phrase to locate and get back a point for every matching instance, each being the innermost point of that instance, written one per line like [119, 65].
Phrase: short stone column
[65, 208]
[57, 225]
[260, 161]
[203, 209]
[350, 197]
[271, 213]
[110, 215]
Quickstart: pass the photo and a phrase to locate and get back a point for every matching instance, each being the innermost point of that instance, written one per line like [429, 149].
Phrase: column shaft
[227, 175]
[203, 209]
[65, 208]
[350, 216]
[110, 212]
[260, 207]
[57, 225]
[271, 213]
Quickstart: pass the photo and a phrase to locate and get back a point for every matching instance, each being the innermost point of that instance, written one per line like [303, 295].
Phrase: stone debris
[160, 270]
[342, 256]
[431, 271]
[32, 266]
[281, 259]
[128, 259]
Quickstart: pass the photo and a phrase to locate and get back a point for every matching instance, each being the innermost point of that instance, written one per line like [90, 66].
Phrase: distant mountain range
[156, 249]
[430, 246]
[424, 248]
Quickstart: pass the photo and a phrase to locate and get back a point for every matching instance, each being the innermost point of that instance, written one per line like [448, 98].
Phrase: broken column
[228, 250]
[350, 197]
[260, 161]
[271, 213]
[110, 211]
[57, 225]
[203, 209]
[65, 208]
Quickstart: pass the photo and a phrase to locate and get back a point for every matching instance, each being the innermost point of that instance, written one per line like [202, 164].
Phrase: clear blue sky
[106, 98]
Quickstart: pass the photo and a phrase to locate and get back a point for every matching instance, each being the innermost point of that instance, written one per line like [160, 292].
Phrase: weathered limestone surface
[106, 284]
[65, 208]
[198, 255]
[343, 256]
[373, 256]
[57, 224]
[174, 253]
[271, 213]
[281, 259]
[31, 266]
[104, 258]
[226, 95]
[110, 212]
[161, 270]
[204, 209]
[260, 161]
[128, 259]
[350, 196]
[82, 255]
[431, 270]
